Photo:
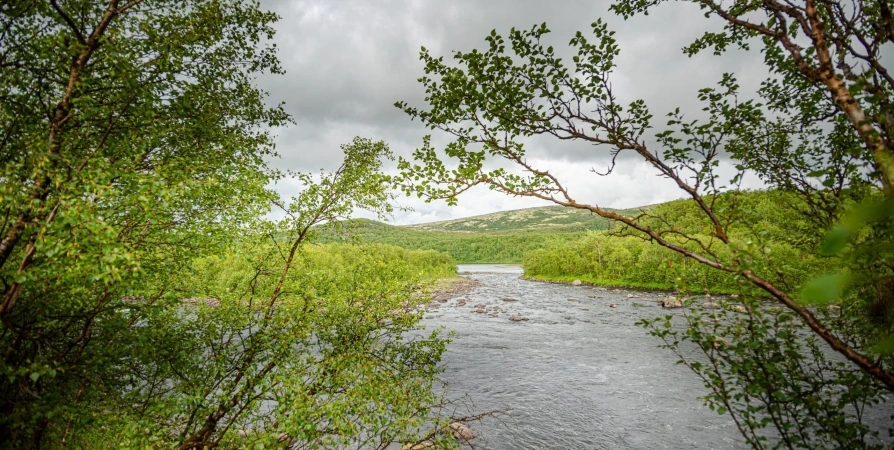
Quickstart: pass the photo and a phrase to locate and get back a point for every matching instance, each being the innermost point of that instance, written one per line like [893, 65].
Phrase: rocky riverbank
[447, 288]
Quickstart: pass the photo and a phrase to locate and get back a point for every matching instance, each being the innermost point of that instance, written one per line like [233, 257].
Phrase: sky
[347, 62]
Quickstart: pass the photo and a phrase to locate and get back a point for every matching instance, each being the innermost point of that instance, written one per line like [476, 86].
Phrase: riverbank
[592, 281]
[446, 288]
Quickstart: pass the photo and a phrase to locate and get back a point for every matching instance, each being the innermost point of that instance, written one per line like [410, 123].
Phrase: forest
[464, 247]
[157, 290]
[610, 258]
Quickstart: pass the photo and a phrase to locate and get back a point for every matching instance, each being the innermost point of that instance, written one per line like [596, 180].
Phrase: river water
[577, 374]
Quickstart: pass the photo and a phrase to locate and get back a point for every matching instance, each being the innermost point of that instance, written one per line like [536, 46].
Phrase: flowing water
[577, 374]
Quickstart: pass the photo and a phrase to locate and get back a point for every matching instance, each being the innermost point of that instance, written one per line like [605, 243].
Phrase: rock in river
[672, 302]
[517, 318]
[462, 433]
[576, 283]
[509, 299]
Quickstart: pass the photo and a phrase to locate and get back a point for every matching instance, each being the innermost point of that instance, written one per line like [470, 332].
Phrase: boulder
[672, 302]
[517, 318]
[461, 432]
[461, 303]
[612, 305]
[479, 311]
[576, 283]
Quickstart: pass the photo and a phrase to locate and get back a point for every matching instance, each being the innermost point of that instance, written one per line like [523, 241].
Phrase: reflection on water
[577, 374]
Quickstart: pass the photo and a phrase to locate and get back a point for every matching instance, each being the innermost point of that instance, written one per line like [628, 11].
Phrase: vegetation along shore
[176, 271]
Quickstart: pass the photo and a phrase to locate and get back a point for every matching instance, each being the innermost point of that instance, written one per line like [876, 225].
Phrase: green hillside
[545, 218]
[501, 237]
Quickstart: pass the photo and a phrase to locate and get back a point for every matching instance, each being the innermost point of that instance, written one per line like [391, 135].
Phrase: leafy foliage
[341, 370]
[144, 302]
[780, 385]
[602, 258]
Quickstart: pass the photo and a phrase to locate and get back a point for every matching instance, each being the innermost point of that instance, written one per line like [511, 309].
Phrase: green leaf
[835, 241]
[825, 289]
[885, 346]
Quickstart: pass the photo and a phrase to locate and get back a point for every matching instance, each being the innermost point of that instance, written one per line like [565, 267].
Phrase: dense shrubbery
[600, 257]
[134, 156]
[342, 370]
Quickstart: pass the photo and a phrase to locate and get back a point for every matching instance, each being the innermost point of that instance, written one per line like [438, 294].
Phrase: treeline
[332, 262]
[464, 247]
[602, 258]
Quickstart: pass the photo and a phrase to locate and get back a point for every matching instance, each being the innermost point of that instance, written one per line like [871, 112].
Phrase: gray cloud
[348, 61]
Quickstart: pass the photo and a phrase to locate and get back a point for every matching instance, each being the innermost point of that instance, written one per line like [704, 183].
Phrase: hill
[544, 218]
[501, 237]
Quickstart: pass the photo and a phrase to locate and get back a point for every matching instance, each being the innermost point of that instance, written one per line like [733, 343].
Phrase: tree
[130, 143]
[308, 352]
[145, 302]
[819, 130]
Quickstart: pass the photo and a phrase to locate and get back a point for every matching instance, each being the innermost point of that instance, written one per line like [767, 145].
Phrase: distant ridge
[540, 218]
[499, 237]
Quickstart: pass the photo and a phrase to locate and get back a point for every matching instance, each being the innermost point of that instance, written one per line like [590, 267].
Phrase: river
[577, 374]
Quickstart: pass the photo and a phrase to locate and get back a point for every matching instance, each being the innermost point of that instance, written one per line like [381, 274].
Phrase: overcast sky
[348, 61]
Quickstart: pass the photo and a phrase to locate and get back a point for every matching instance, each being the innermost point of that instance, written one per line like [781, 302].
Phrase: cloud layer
[348, 61]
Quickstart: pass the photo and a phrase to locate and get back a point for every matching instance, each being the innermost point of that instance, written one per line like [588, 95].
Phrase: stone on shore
[576, 283]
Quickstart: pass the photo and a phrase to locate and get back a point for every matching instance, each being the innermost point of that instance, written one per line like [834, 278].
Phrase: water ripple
[577, 374]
